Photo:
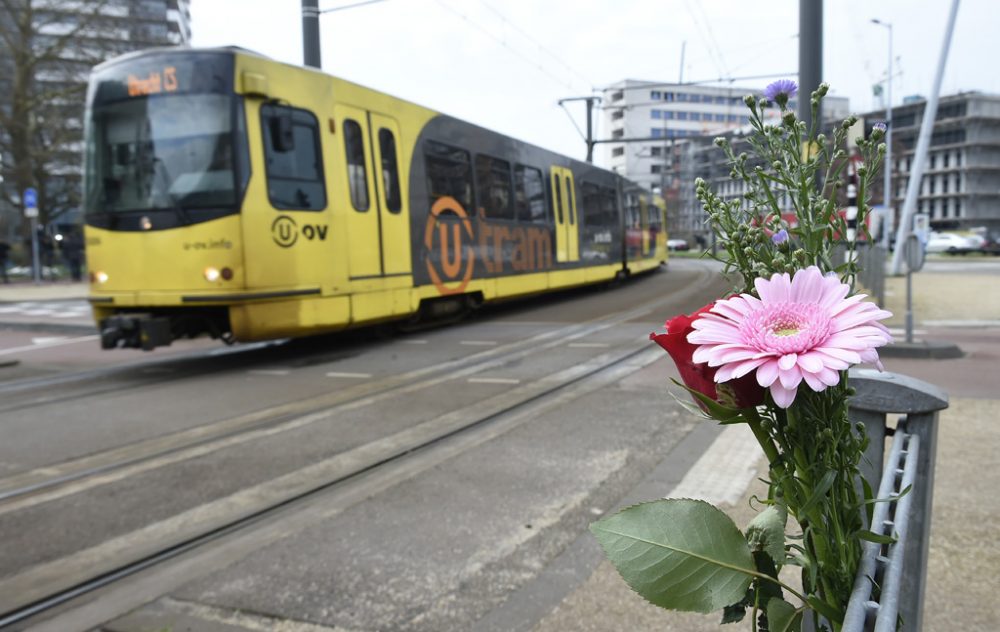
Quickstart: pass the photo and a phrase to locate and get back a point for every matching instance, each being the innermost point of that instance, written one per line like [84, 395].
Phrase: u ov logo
[454, 262]
[284, 231]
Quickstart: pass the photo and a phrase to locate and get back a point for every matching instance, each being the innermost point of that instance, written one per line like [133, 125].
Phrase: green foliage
[678, 553]
[787, 161]
[766, 533]
[782, 616]
[687, 555]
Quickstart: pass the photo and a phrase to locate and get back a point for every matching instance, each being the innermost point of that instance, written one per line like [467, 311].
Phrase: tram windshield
[155, 150]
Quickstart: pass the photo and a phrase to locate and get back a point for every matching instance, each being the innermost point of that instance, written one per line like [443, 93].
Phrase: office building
[68, 37]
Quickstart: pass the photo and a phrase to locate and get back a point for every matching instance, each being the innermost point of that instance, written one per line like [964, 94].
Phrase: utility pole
[590, 122]
[888, 214]
[810, 56]
[310, 34]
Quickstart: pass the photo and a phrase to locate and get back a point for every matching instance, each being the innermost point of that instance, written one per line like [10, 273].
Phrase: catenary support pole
[887, 212]
[923, 143]
[810, 56]
[310, 33]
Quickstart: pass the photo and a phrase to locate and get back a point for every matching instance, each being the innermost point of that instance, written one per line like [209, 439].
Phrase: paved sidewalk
[18, 291]
[965, 551]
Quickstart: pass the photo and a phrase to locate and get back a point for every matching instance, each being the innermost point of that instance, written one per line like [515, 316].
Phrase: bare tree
[47, 48]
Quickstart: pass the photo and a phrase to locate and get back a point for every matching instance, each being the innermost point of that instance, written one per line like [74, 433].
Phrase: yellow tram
[231, 195]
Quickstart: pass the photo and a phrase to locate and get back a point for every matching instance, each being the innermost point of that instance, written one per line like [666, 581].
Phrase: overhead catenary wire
[530, 61]
[540, 46]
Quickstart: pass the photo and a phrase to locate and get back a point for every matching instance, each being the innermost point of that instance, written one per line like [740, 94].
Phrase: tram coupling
[135, 331]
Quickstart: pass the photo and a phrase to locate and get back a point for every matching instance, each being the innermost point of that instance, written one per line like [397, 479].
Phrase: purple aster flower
[780, 91]
[779, 237]
[880, 126]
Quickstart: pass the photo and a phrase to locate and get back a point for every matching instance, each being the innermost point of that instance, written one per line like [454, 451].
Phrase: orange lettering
[450, 266]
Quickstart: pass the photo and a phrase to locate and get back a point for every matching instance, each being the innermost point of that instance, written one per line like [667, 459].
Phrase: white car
[951, 243]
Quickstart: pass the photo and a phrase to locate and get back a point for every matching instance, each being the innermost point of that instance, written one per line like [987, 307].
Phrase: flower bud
[699, 182]
[776, 165]
[720, 141]
[749, 101]
[822, 90]
[789, 118]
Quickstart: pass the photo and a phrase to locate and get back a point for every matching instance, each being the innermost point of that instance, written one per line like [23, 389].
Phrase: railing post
[878, 395]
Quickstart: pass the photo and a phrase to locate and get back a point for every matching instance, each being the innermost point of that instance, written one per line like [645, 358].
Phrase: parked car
[951, 243]
[677, 244]
[991, 243]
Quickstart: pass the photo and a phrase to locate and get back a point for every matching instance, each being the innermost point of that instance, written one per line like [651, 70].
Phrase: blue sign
[30, 198]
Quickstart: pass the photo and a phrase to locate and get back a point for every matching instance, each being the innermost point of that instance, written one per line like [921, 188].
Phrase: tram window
[357, 179]
[529, 194]
[295, 175]
[609, 203]
[390, 170]
[449, 173]
[599, 208]
[591, 204]
[493, 185]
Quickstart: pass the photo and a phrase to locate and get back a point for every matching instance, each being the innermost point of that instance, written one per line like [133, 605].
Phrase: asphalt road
[453, 465]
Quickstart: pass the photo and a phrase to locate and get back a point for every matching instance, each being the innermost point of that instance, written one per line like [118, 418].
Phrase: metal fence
[871, 260]
[891, 579]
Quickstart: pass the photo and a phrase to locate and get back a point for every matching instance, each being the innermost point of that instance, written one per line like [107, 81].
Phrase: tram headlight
[214, 274]
[98, 277]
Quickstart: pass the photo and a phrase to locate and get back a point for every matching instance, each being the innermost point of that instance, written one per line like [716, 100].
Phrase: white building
[651, 115]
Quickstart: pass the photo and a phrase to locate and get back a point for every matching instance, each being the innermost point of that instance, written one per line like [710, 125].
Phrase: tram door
[377, 218]
[564, 204]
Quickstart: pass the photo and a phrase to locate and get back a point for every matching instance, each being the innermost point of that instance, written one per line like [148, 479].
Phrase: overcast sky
[505, 64]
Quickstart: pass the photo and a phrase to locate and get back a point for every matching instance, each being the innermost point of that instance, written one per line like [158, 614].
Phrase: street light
[886, 194]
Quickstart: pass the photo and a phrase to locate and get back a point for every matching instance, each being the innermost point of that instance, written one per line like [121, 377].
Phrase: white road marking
[269, 371]
[51, 343]
[45, 340]
[721, 475]
[478, 343]
[493, 380]
[356, 376]
[593, 345]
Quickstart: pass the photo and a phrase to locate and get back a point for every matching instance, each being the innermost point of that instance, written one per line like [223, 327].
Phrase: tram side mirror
[282, 134]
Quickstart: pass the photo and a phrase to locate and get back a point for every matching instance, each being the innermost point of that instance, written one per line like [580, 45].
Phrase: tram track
[48, 585]
[46, 483]
[40, 588]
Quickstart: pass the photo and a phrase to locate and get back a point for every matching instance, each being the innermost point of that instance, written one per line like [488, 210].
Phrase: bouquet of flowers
[773, 355]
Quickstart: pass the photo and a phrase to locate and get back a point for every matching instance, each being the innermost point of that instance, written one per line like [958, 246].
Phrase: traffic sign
[30, 200]
[913, 252]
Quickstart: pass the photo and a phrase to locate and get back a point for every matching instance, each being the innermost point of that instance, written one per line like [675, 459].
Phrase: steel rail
[638, 355]
[77, 470]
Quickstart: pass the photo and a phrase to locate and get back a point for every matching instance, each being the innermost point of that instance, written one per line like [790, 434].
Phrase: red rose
[742, 392]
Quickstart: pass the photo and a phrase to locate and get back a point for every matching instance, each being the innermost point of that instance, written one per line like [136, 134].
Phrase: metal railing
[891, 579]
[871, 260]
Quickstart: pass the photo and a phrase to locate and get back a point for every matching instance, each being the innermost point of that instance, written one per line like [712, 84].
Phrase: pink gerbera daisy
[800, 329]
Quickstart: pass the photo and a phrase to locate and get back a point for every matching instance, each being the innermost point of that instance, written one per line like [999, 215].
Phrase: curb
[926, 349]
[50, 326]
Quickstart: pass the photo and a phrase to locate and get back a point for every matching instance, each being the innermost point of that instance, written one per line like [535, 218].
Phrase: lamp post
[886, 192]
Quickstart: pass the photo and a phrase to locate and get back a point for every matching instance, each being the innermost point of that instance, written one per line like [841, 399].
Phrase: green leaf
[782, 616]
[715, 410]
[766, 532]
[819, 492]
[825, 609]
[871, 536]
[679, 554]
